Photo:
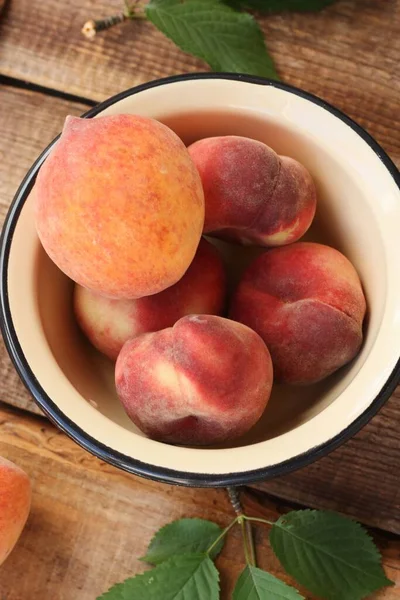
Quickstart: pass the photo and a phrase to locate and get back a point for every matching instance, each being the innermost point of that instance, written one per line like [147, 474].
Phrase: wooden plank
[361, 478]
[28, 122]
[53, 52]
[348, 54]
[90, 522]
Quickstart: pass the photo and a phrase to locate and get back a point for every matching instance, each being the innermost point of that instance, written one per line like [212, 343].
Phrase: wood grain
[90, 522]
[361, 478]
[348, 54]
[28, 122]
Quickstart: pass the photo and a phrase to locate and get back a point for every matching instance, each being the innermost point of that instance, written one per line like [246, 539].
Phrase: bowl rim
[99, 449]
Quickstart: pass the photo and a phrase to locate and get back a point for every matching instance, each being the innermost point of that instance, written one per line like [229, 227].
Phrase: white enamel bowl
[359, 213]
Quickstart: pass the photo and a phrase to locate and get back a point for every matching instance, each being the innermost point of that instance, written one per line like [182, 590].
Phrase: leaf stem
[258, 520]
[248, 554]
[247, 532]
[251, 543]
[134, 10]
[223, 534]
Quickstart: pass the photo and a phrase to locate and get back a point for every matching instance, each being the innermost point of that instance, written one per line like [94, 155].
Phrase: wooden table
[90, 522]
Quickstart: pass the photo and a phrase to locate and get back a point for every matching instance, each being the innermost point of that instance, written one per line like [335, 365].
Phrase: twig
[92, 26]
[130, 12]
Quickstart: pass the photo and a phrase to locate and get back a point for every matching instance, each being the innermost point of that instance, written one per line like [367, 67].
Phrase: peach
[306, 302]
[252, 195]
[15, 502]
[119, 205]
[110, 323]
[203, 381]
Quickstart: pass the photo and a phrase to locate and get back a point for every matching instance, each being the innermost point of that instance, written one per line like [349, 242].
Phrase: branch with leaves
[222, 34]
[330, 555]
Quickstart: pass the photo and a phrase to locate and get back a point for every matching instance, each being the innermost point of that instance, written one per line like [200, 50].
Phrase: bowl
[358, 213]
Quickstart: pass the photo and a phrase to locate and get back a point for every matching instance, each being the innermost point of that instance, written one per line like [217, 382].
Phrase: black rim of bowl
[81, 437]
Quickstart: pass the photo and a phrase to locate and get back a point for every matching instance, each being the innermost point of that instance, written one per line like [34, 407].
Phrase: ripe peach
[307, 303]
[119, 205]
[15, 502]
[203, 381]
[110, 323]
[252, 195]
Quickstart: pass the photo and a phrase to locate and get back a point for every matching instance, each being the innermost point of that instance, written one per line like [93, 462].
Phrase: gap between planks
[40, 89]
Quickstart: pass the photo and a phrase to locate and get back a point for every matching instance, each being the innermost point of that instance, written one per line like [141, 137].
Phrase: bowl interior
[358, 212]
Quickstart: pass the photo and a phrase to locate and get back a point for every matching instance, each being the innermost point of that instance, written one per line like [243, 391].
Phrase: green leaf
[255, 584]
[186, 577]
[276, 6]
[227, 40]
[183, 537]
[331, 555]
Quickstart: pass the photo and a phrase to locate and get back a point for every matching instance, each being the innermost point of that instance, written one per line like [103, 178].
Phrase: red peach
[119, 205]
[203, 381]
[15, 502]
[306, 302]
[252, 195]
[108, 323]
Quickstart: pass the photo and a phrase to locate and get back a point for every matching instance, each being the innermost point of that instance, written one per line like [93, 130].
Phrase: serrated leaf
[226, 39]
[186, 577]
[331, 555]
[182, 537]
[276, 6]
[255, 584]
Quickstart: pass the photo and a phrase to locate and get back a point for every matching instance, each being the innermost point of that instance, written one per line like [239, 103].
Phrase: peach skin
[15, 502]
[252, 195]
[119, 205]
[306, 302]
[205, 380]
[108, 323]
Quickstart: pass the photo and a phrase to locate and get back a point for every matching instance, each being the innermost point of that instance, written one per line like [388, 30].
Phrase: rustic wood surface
[90, 523]
[348, 53]
[361, 478]
[28, 122]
